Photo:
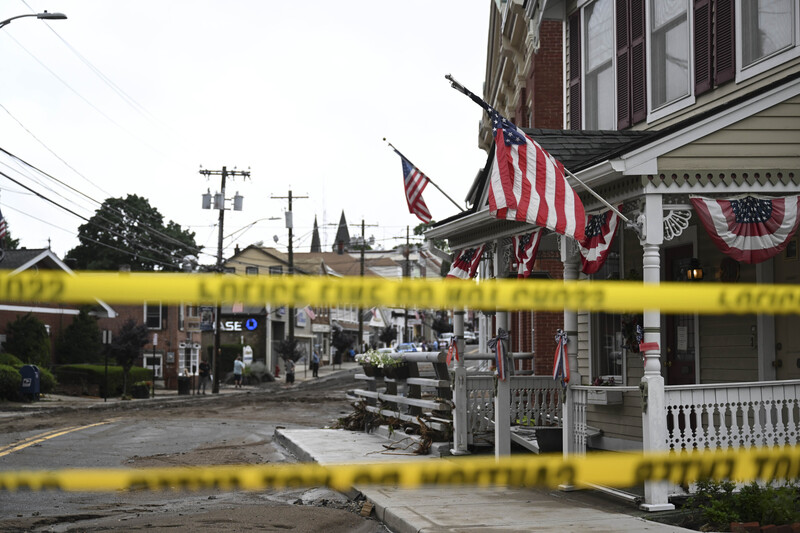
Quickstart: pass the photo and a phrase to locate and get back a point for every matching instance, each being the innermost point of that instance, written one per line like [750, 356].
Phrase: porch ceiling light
[694, 272]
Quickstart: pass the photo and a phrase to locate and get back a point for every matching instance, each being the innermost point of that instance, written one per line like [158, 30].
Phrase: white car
[445, 339]
[470, 337]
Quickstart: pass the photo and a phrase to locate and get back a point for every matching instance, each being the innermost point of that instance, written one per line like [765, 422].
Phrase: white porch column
[570, 258]
[502, 403]
[502, 400]
[460, 433]
[654, 427]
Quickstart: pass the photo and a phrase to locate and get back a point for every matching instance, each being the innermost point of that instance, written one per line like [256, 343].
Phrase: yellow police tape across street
[602, 468]
[541, 295]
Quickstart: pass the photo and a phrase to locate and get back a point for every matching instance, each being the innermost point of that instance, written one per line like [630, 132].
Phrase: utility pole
[360, 309]
[407, 274]
[290, 226]
[219, 204]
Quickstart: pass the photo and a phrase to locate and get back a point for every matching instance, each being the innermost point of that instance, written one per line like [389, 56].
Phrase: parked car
[386, 350]
[406, 347]
[444, 340]
[470, 337]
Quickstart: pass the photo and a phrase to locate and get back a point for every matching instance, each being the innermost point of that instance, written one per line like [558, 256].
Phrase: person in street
[204, 372]
[315, 363]
[289, 370]
[238, 370]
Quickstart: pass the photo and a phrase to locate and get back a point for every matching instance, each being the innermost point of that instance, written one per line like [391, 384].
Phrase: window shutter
[724, 44]
[623, 66]
[702, 46]
[638, 62]
[575, 71]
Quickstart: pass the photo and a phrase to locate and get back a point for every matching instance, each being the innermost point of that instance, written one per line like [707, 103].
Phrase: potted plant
[395, 368]
[371, 363]
[141, 389]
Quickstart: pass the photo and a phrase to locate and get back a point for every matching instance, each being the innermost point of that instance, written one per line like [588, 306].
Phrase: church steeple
[315, 244]
[342, 241]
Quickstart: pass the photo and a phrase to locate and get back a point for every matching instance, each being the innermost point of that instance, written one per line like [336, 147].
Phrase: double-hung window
[768, 34]
[153, 315]
[598, 66]
[669, 52]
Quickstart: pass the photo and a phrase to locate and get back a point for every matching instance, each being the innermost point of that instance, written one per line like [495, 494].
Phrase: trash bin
[184, 385]
[30, 382]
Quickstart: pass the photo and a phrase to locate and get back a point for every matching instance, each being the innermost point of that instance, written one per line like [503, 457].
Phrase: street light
[41, 16]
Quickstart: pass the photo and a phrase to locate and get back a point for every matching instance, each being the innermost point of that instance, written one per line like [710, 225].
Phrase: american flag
[466, 262]
[527, 183]
[750, 229]
[594, 248]
[415, 182]
[310, 312]
[525, 248]
[3, 226]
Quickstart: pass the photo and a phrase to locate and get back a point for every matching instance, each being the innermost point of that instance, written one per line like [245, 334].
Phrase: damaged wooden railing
[424, 395]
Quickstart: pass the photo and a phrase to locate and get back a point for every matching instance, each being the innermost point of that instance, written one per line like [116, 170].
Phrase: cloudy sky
[133, 97]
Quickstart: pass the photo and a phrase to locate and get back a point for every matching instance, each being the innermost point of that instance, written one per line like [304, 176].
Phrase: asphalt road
[197, 431]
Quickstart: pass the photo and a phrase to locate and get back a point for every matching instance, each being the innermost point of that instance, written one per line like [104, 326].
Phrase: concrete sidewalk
[450, 509]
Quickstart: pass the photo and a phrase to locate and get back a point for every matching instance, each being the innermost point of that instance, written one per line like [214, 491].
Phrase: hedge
[10, 382]
[92, 378]
[47, 382]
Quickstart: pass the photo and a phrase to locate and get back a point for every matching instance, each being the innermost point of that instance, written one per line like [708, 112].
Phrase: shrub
[47, 381]
[10, 360]
[91, 378]
[10, 382]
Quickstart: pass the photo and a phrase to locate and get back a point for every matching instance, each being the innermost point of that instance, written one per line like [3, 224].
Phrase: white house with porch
[685, 104]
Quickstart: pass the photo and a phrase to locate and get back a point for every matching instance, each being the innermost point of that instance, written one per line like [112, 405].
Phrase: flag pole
[429, 180]
[460, 88]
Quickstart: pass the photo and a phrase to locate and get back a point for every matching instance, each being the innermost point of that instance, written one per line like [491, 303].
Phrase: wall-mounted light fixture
[693, 272]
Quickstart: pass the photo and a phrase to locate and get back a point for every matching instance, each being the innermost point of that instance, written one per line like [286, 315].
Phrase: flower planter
[604, 397]
[396, 372]
[140, 391]
[372, 371]
[549, 439]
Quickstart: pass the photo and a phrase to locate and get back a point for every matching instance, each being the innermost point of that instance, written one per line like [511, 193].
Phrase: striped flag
[415, 182]
[600, 232]
[3, 226]
[465, 264]
[310, 312]
[750, 229]
[525, 248]
[561, 361]
[527, 184]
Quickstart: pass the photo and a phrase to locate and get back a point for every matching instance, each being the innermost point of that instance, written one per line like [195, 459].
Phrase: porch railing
[733, 415]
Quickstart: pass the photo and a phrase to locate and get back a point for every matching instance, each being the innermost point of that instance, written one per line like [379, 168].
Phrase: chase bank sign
[247, 324]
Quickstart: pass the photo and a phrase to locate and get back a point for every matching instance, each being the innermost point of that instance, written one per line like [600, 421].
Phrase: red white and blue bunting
[594, 248]
[498, 346]
[525, 248]
[561, 360]
[750, 229]
[465, 263]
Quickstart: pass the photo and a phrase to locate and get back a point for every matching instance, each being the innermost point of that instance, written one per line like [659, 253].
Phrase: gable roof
[24, 259]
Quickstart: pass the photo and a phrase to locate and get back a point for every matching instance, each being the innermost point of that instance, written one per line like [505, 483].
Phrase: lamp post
[42, 16]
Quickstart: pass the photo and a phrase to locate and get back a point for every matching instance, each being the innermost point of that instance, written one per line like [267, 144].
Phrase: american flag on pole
[527, 183]
[750, 229]
[310, 312]
[3, 226]
[525, 248]
[415, 182]
[466, 262]
[594, 248]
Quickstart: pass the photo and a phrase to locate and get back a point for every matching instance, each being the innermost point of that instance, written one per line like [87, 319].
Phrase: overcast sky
[133, 97]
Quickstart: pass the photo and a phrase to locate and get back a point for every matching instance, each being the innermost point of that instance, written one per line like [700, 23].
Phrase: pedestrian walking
[204, 371]
[289, 371]
[238, 370]
[315, 363]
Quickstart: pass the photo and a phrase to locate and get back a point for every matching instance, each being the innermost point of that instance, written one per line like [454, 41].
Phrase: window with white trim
[152, 315]
[669, 51]
[768, 28]
[598, 73]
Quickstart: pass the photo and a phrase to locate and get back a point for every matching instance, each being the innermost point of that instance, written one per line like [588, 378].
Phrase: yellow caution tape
[537, 295]
[602, 468]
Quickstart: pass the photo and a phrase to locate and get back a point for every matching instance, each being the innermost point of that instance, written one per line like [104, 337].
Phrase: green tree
[9, 243]
[80, 341]
[127, 347]
[388, 334]
[27, 338]
[342, 341]
[129, 231]
[289, 349]
[420, 229]
[441, 324]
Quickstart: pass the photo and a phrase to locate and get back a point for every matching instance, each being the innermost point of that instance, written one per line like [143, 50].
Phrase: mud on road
[242, 426]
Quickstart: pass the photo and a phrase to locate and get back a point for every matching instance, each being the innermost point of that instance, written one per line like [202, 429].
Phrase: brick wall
[546, 83]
